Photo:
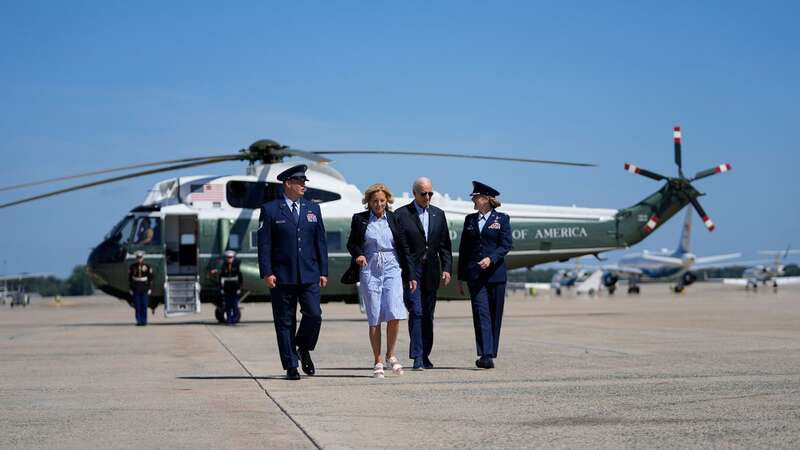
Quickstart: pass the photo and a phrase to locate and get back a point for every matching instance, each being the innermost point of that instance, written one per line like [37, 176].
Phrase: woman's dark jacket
[355, 243]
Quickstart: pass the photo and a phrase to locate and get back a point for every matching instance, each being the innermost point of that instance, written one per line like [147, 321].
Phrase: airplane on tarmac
[766, 273]
[663, 265]
[195, 219]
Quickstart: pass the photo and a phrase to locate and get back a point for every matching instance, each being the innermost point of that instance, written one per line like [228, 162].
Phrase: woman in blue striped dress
[379, 248]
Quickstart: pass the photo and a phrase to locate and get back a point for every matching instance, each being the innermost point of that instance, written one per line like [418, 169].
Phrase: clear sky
[88, 85]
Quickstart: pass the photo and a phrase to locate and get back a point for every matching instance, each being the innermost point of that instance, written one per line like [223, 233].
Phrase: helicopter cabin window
[253, 194]
[148, 231]
[234, 242]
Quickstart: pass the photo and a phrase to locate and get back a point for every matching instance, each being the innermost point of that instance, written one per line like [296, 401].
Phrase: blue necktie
[481, 223]
[295, 213]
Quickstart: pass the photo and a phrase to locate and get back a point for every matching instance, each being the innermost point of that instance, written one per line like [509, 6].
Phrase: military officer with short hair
[485, 241]
[140, 277]
[230, 286]
[293, 262]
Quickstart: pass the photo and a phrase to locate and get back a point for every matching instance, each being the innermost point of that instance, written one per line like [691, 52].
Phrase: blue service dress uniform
[487, 287]
[230, 283]
[293, 248]
[140, 279]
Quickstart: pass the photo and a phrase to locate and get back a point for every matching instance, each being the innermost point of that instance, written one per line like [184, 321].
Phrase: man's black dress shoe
[292, 374]
[427, 363]
[485, 362]
[307, 363]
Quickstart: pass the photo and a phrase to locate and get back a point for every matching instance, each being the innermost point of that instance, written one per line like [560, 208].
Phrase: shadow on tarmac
[268, 377]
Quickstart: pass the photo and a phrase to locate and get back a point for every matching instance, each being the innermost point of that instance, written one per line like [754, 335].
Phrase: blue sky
[87, 85]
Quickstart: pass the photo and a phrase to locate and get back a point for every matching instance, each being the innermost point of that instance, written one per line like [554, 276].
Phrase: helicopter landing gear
[677, 289]
[633, 290]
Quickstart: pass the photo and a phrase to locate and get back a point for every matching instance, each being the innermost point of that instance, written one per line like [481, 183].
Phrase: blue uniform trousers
[232, 313]
[421, 305]
[140, 301]
[487, 315]
[285, 298]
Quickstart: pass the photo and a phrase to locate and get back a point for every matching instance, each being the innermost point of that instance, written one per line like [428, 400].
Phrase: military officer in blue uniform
[293, 262]
[140, 279]
[485, 241]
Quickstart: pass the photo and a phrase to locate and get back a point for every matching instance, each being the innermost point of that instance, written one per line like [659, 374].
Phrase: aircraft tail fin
[684, 246]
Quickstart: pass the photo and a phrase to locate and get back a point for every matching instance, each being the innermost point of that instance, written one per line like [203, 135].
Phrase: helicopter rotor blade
[644, 172]
[676, 136]
[449, 155]
[712, 171]
[102, 171]
[312, 156]
[186, 165]
[706, 220]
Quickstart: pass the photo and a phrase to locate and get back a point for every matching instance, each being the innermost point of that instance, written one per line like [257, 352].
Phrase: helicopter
[185, 224]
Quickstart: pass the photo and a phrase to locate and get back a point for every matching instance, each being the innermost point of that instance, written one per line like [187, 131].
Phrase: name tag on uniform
[280, 221]
[495, 226]
[311, 217]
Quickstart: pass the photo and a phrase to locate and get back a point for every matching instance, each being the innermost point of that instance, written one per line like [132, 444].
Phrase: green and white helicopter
[185, 224]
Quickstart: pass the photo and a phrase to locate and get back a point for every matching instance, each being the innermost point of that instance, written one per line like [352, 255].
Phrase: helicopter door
[181, 280]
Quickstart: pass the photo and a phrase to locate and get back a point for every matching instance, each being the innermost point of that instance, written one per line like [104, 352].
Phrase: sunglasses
[429, 194]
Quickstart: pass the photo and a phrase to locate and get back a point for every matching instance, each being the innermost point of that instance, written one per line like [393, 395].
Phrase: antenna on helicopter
[680, 185]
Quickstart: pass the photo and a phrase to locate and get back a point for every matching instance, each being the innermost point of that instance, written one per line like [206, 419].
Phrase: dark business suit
[431, 257]
[487, 287]
[297, 254]
[355, 242]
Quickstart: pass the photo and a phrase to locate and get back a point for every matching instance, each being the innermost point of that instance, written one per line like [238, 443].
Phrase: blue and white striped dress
[381, 280]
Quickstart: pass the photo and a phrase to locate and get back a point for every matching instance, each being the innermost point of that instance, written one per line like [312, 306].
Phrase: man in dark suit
[425, 228]
[485, 241]
[293, 261]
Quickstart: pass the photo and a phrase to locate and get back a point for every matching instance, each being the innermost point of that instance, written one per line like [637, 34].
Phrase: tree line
[78, 283]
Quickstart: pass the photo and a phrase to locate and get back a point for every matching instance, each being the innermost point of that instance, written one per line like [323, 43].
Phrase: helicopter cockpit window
[251, 195]
[121, 231]
[148, 231]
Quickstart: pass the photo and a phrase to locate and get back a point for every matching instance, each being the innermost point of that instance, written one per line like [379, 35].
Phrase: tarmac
[715, 367]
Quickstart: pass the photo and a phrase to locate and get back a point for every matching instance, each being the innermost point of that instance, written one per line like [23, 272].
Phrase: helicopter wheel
[220, 315]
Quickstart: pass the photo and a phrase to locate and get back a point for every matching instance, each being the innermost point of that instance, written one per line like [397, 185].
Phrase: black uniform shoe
[292, 374]
[427, 363]
[485, 362]
[307, 363]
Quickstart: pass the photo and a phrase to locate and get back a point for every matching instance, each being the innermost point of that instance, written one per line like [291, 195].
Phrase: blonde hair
[377, 187]
[494, 203]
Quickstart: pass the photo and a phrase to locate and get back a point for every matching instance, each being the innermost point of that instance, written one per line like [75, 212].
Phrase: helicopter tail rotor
[680, 185]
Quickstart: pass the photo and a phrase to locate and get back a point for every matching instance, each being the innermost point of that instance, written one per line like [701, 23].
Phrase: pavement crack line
[263, 388]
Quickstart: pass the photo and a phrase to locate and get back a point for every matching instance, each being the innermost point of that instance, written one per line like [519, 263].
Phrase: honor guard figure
[230, 286]
[293, 262]
[140, 277]
[485, 241]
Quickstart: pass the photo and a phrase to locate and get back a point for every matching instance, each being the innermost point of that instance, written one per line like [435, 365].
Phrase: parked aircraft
[766, 273]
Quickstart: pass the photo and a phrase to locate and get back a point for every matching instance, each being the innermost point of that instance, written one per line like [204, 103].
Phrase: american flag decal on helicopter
[208, 193]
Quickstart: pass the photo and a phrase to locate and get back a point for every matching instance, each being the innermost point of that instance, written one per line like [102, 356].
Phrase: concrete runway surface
[716, 367]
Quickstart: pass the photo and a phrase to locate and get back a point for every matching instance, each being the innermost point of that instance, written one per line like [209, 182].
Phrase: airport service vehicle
[194, 220]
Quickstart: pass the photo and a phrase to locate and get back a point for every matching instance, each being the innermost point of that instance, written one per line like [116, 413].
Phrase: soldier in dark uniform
[230, 286]
[140, 277]
[293, 262]
[485, 241]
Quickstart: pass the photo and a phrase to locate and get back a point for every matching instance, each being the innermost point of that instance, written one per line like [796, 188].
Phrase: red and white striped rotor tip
[676, 134]
[631, 168]
[708, 223]
[722, 168]
[651, 224]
